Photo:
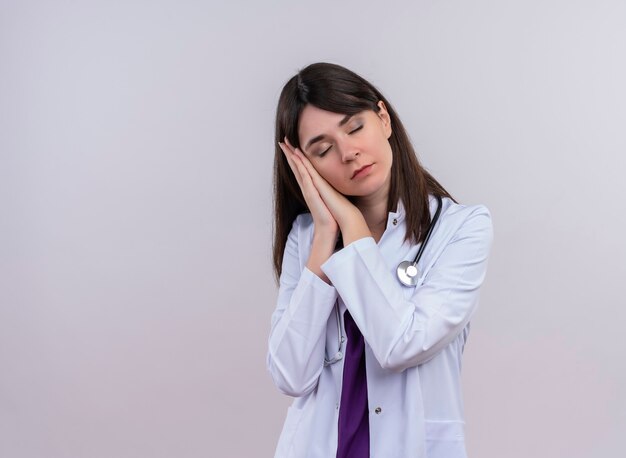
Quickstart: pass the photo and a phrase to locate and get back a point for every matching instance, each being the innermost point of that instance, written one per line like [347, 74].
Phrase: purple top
[354, 431]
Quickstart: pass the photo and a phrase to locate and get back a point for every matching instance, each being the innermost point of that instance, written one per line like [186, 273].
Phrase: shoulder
[297, 245]
[301, 229]
[303, 220]
[451, 209]
[461, 219]
[303, 224]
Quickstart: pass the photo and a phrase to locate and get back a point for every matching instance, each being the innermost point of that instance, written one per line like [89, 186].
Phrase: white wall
[135, 210]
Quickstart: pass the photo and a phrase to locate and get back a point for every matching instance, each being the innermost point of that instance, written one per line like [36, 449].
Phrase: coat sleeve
[404, 333]
[297, 339]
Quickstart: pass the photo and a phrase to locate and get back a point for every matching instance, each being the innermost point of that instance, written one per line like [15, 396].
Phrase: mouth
[362, 169]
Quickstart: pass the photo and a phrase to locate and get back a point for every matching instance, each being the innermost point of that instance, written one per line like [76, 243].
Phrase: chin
[367, 191]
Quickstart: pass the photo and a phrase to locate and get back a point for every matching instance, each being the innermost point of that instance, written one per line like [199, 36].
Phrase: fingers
[321, 185]
[315, 177]
[289, 156]
[309, 179]
[317, 186]
[319, 195]
[295, 159]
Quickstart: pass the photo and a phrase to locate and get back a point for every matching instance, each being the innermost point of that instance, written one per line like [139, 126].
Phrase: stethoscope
[407, 271]
[341, 339]
[407, 274]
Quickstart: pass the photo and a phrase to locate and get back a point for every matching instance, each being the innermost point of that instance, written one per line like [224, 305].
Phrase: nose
[349, 152]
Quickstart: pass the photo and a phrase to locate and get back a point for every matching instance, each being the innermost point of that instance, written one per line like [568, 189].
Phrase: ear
[383, 114]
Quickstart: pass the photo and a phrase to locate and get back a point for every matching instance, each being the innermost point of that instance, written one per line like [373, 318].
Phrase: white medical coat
[414, 336]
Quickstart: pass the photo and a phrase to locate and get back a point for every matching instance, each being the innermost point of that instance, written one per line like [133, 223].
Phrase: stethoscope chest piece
[408, 273]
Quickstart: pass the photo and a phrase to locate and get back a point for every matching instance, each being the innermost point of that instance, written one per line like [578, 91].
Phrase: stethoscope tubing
[429, 233]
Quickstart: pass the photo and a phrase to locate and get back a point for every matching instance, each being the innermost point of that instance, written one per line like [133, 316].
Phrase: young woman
[368, 342]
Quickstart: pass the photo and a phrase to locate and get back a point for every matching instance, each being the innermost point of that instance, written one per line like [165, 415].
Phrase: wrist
[322, 248]
[351, 218]
[325, 236]
[354, 229]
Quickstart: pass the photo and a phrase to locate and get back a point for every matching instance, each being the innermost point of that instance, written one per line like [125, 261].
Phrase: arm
[404, 333]
[297, 339]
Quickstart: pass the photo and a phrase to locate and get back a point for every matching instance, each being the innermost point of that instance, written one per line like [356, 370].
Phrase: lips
[356, 172]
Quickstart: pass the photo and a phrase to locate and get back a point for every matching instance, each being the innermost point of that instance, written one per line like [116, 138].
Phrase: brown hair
[334, 88]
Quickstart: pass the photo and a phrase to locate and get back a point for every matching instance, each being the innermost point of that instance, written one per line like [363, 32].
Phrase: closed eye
[358, 128]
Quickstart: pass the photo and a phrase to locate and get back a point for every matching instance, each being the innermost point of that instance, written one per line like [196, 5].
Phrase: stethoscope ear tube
[407, 271]
[340, 338]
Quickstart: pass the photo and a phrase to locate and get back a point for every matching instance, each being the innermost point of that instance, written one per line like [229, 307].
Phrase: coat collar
[398, 216]
[400, 212]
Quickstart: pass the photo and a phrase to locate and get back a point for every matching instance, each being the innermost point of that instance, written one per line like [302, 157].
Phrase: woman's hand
[323, 200]
[322, 217]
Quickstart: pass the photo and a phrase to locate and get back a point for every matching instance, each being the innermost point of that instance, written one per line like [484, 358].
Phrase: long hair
[336, 89]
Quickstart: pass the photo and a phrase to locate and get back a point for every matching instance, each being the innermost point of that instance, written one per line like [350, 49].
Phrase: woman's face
[340, 145]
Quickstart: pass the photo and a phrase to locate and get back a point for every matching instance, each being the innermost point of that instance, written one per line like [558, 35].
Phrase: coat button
[395, 221]
[378, 410]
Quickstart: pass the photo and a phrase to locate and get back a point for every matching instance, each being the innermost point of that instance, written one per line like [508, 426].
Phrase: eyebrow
[345, 119]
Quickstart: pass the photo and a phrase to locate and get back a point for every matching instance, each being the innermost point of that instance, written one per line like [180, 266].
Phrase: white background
[136, 149]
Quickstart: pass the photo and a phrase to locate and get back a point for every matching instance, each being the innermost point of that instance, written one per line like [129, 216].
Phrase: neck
[374, 210]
